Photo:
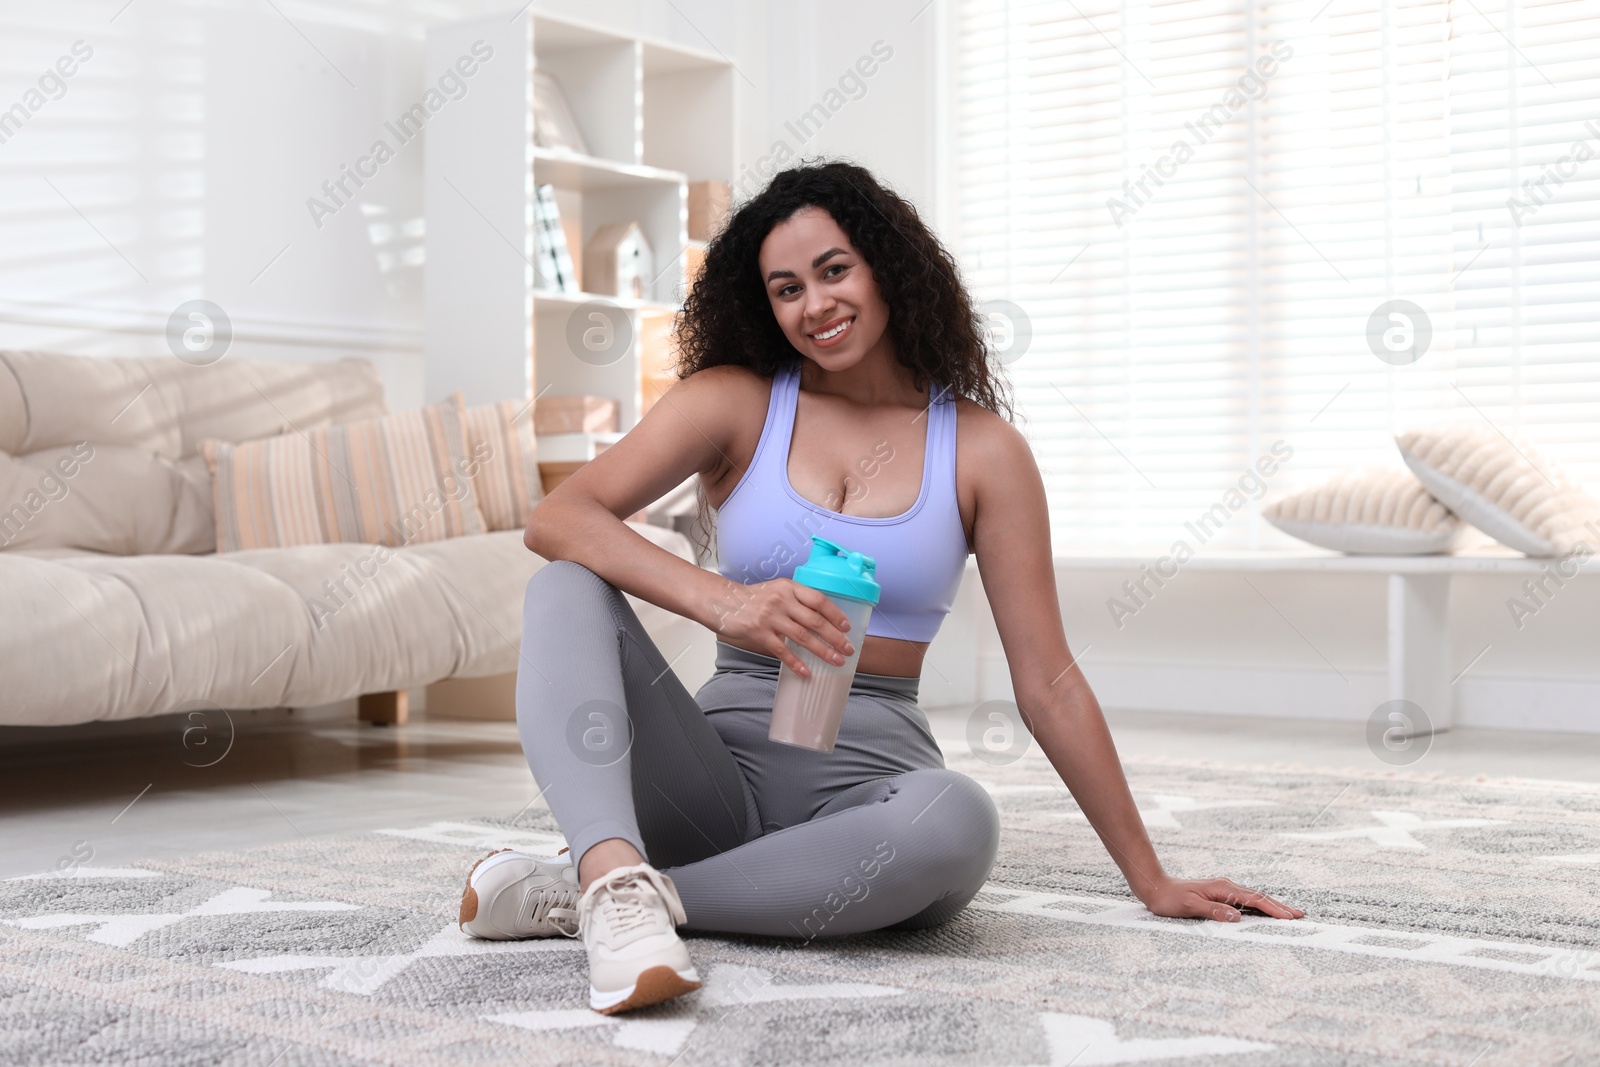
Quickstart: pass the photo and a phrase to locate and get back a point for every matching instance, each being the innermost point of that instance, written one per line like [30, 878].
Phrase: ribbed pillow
[1380, 512]
[395, 480]
[504, 465]
[1506, 490]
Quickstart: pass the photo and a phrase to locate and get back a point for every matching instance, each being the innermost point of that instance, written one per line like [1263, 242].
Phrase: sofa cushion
[104, 637]
[372, 618]
[393, 480]
[13, 411]
[506, 482]
[168, 407]
[105, 498]
[120, 638]
[145, 489]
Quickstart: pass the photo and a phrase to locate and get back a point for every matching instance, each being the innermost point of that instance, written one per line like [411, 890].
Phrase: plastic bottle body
[806, 711]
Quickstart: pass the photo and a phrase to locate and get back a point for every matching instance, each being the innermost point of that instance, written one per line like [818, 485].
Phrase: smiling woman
[829, 264]
[828, 323]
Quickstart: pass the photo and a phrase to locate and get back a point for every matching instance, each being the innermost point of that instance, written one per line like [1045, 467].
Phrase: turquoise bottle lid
[838, 571]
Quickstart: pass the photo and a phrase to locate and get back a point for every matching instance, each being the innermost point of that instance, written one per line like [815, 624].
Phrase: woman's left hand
[1211, 898]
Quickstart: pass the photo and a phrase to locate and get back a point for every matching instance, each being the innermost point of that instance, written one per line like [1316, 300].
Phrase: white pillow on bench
[1506, 490]
[1378, 512]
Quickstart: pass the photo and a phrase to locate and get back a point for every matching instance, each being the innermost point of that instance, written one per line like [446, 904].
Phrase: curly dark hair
[934, 327]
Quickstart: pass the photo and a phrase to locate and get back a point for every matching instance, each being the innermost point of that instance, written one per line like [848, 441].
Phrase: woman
[833, 381]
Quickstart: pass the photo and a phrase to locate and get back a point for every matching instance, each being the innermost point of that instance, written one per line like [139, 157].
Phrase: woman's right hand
[762, 614]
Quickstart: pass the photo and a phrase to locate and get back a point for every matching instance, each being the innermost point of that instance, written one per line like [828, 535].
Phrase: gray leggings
[759, 837]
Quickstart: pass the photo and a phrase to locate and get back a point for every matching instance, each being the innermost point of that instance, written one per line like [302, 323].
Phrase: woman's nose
[819, 310]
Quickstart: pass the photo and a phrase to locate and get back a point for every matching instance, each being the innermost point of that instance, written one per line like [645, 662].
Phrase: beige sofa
[117, 605]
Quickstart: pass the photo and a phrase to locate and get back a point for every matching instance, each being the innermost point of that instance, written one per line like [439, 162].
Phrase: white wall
[884, 123]
[177, 165]
[1207, 642]
[179, 161]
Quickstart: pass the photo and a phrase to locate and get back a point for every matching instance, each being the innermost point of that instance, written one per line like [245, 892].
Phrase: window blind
[1202, 208]
[1525, 152]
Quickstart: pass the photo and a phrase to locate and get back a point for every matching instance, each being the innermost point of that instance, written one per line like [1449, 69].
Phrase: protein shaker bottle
[806, 710]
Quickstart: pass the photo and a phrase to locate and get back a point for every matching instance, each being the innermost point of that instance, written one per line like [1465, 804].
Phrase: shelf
[557, 33]
[568, 301]
[572, 447]
[659, 57]
[656, 117]
[570, 170]
[1479, 560]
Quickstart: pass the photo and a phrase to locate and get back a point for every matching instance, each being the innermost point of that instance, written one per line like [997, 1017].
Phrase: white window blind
[1200, 205]
[1525, 188]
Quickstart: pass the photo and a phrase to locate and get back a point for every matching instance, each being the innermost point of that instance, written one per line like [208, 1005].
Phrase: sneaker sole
[653, 985]
[469, 896]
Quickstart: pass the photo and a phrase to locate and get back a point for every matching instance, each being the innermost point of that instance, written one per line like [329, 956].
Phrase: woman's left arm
[1011, 539]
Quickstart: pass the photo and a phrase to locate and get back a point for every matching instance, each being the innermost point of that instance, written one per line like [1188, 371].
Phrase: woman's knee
[562, 575]
[562, 587]
[954, 830]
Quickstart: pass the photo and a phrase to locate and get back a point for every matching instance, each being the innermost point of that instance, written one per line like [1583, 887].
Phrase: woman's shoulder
[728, 386]
[729, 376]
[981, 420]
[986, 434]
[728, 404]
[727, 397]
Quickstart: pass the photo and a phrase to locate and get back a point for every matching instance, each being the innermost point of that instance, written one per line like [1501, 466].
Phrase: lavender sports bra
[764, 528]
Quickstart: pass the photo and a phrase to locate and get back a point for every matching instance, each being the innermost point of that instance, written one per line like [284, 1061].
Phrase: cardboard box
[694, 261]
[708, 207]
[493, 697]
[553, 474]
[576, 414]
[658, 359]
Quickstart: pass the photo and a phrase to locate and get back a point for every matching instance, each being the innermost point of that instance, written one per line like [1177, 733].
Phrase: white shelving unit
[655, 117]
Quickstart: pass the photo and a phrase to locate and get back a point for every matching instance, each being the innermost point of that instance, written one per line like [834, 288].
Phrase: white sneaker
[629, 919]
[512, 895]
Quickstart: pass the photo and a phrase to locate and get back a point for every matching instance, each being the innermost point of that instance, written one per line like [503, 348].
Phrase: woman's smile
[833, 333]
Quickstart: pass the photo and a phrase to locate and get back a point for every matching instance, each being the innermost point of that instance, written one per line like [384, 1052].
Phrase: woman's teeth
[833, 332]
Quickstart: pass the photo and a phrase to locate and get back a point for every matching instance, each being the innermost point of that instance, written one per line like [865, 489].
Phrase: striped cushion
[1504, 487]
[505, 472]
[1385, 512]
[395, 480]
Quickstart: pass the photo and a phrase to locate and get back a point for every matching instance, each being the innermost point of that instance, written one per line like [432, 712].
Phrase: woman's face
[822, 292]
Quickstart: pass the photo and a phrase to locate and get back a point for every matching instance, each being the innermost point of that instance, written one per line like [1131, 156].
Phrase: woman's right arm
[686, 432]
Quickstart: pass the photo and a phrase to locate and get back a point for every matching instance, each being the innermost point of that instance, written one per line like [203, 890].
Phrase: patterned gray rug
[1449, 921]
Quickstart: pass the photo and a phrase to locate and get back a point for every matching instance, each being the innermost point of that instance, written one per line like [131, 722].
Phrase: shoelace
[627, 908]
[564, 918]
[627, 899]
[558, 907]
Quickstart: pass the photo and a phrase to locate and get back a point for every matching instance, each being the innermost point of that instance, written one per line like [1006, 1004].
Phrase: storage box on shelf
[574, 414]
[708, 205]
[560, 454]
[694, 261]
[658, 358]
